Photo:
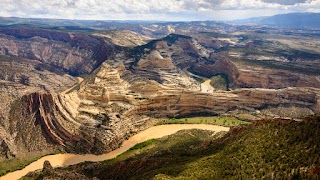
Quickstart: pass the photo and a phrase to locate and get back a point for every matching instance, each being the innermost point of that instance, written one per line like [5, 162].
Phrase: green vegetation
[143, 144]
[137, 149]
[14, 164]
[219, 82]
[215, 120]
[263, 150]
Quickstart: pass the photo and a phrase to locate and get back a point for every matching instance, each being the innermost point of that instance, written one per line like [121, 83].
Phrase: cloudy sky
[173, 10]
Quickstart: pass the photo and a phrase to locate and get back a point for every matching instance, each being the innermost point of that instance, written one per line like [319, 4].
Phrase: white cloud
[152, 9]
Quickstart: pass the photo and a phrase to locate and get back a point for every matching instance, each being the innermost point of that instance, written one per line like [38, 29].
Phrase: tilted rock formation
[126, 95]
[107, 109]
[163, 60]
[91, 120]
[19, 131]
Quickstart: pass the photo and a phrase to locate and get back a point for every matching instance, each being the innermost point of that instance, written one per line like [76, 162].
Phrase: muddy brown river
[60, 160]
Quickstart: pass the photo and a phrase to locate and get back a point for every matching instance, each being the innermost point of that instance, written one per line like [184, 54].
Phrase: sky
[162, 10]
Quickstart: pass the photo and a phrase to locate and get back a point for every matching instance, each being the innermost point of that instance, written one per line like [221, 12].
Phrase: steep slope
[163, 61]
[126, 94]
[249, 75]
[76, 53]
[107, 109]
[267, 149]
[35, 65]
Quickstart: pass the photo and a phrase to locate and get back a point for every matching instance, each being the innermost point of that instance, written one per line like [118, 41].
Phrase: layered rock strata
[76, 53]
[257, 77]
[107, 109]
[129, 94]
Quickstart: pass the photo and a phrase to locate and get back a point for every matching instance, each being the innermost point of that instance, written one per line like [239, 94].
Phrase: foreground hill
[266, 149]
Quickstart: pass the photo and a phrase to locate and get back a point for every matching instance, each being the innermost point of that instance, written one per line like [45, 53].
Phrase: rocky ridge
[76, 53]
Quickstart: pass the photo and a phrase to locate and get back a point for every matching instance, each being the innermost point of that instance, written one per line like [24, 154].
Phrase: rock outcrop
[75, 53]
[125, 38]
[125, 95]
[107, 109]
[274, 79]
[241, 76]
[23, 72]
[155, 60]
[184, 103]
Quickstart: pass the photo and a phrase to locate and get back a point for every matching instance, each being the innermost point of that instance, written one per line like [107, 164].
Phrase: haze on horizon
[165, 10]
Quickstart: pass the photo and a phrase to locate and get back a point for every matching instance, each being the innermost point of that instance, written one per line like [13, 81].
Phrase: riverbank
[212, 120]
[61, 160]
[205, 86]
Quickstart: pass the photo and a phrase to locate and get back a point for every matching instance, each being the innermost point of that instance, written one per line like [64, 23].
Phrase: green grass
[136, 149]
[143, 144]
[214, 120]
[15, 164]
[263, 150]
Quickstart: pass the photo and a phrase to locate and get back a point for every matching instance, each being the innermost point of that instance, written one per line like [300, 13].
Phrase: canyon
[87, 93]
[61, 160]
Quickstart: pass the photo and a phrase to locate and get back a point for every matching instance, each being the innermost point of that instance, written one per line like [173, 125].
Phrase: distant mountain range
[292, 20]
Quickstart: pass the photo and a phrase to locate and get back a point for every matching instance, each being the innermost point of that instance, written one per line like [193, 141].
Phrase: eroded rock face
[155, 60]
[182, 103]
[107, 109]
[275, 79]
[75, 53]
[256, 77]
[24, 72]
[129, 94]
[20, 132]
[125, 38]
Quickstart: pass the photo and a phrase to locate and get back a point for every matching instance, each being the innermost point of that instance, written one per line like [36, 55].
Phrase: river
[60, 160]
[205, 86]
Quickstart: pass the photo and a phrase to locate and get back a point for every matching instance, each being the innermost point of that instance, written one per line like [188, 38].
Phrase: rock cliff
[76, 53]
[243, 76]
[107, 109]
[124, 95]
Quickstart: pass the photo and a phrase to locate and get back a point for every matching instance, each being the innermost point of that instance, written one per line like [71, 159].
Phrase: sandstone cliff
[107, 109]
[241, 76]
[124, 95]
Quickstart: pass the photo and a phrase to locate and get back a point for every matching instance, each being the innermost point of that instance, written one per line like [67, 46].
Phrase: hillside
[263, 150]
